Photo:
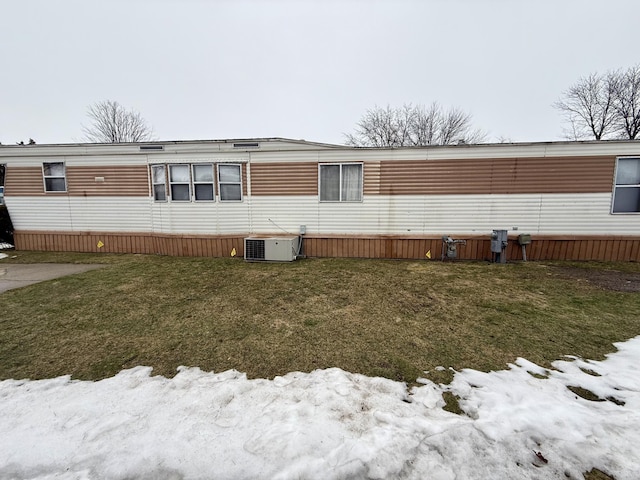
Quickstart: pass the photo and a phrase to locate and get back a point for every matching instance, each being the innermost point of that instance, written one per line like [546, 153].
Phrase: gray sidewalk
[19, 275]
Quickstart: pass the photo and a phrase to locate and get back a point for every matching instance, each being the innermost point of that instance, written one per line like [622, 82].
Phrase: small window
[203, 183]
[54, 177]
[626, 192]
[159, 178]
[230, 183]
[180, 183]
[341, 182]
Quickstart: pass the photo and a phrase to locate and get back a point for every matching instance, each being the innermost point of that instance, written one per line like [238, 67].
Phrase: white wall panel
[214, 218]
[40, 213]
[579, 214]
[110, 214]
[272, 214]
[563, 214]
[64, 213]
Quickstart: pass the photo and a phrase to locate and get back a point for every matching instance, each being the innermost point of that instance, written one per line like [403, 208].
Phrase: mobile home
[577, 200]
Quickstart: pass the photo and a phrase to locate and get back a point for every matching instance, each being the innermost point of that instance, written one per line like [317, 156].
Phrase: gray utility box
[524, 239]
[271, 249]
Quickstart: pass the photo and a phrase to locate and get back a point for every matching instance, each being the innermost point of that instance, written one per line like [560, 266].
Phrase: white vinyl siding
[341, 182]
[54, 176]
[430, 215]
[626, 192]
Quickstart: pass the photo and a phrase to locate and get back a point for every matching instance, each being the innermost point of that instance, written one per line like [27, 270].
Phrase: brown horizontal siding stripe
[284, 178]
[497, 176]
[23, 181]
[371, 178]
[81, 181]
[301, 178]
[126, 180]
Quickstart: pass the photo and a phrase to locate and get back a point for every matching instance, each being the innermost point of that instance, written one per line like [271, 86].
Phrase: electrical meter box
[499, 241]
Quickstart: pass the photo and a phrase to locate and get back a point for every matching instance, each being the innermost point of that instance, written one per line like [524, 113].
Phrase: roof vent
[151, 147]
[246, 145]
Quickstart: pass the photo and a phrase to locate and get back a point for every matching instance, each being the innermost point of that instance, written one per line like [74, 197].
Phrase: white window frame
[47, 177]
[220, 183]
[617, 187]
[342, 199]
[153, 183]
[195, 182]
[187, 183]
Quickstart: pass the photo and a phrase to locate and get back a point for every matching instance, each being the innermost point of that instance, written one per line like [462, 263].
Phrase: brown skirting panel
[603, 248]
[612, 248]
[160, 244]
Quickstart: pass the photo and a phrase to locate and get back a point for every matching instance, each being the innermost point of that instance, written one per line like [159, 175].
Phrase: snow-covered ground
[328, 424]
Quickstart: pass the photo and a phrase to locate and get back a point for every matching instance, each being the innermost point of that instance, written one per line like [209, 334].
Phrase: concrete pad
[20, 275]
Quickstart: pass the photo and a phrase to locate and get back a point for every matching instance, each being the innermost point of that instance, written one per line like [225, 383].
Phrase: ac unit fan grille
[254, 249]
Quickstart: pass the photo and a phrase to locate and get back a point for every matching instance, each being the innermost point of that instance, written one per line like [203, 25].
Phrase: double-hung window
[203, 182]
[626, 192]
[180, 183]
[195, 182]
[159, 177]
[55, 179]
[341, 182]
[230, 183]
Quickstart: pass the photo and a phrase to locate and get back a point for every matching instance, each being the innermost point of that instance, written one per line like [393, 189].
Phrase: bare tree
[414, 126]
[626, 104]
[603, 106]
[112, 123]
[588, 107]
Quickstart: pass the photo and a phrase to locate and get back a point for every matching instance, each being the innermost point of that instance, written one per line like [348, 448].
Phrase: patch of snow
[327, 424]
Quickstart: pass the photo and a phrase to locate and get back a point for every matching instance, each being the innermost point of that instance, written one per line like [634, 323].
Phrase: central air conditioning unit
[271, 249]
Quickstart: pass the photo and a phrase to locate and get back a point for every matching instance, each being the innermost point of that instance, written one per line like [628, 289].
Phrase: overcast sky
[300, 69]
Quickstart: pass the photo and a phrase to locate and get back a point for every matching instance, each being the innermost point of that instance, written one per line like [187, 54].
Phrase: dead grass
[384, 318]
